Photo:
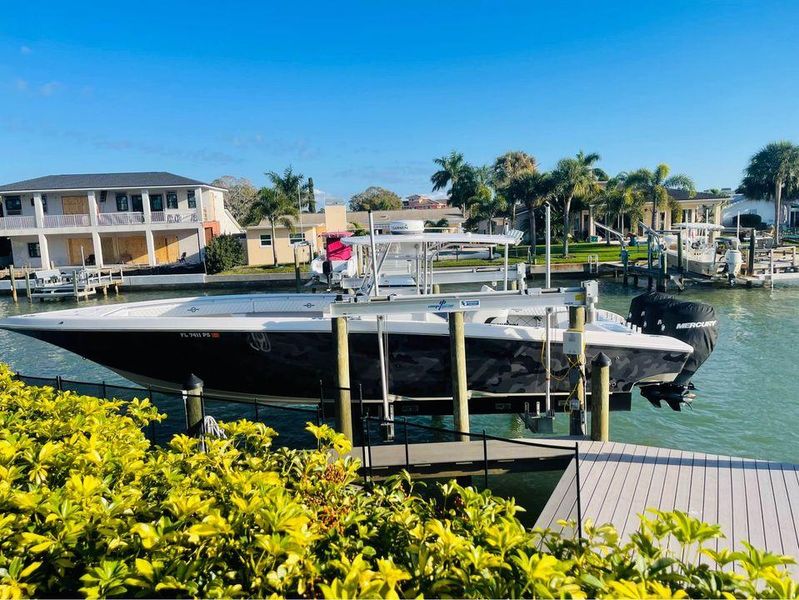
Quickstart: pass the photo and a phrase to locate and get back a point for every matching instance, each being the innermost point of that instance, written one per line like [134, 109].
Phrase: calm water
[747, 402]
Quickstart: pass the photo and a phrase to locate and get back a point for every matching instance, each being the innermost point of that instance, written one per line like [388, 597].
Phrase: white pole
[548, 325]
[375, 274]
[506, 267]
[738, 226]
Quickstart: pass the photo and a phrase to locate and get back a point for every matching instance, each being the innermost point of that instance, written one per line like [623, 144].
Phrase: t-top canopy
[476, 239]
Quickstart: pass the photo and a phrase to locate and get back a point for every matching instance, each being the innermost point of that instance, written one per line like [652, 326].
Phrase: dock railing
[155, 394]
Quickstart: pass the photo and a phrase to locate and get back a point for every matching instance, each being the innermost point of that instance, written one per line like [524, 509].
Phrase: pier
[80, 284]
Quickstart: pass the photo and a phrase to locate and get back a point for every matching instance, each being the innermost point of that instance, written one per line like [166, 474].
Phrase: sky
[355, 94]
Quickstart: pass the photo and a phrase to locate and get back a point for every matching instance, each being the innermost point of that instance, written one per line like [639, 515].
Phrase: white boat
[700, 252]
[281, 346]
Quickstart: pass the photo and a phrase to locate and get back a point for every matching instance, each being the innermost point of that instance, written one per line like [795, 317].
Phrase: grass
[264, 269]
[578, 253]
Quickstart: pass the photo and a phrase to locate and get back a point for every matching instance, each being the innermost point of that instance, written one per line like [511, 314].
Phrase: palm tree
[274, 205]
[507, 172]
[654, 185]
[290, 185]
[774, 167]
[487, 205]
[533, 189]
[574, 177]
[452, 168]
[617, 201]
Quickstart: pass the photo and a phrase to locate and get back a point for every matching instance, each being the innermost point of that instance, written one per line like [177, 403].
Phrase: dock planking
[752, 500]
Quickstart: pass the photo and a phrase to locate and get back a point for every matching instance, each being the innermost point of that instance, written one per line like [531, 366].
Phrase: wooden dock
[459, 459]
[753, 500]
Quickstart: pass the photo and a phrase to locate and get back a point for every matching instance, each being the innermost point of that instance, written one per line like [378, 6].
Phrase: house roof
[101, 181]
[453, 215]
[684, 195]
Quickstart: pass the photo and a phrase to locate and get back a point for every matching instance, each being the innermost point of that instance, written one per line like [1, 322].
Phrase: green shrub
[223, 253]
[88, 507]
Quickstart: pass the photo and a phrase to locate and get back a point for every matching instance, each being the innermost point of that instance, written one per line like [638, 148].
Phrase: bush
[88, 507]
[223, 253]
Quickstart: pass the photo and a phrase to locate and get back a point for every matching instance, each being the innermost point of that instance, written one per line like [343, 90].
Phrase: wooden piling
[436, 288]
[514, 285]
[28, 286]
[75, 286]
[577, 374]
[750, 267]
[600, 398]
[13, 282]
[344, 396]
[460, 397]
[193, 399]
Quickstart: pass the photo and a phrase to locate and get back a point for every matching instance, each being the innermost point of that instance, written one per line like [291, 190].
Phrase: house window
[687, 215]
[157, 202]
[172, 200]
[136, 203]
[103, 195]
[296, 238]
[33, 250]
[662, 221]
[266, 240]
[13, 205]
[191, 199]
[122, 202]
[44, 203]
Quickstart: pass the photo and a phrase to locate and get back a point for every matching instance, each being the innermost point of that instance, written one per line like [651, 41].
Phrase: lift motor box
[573, 343]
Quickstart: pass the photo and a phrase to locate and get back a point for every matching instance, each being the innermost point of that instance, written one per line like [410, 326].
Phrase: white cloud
[49, 88]
[25, 50]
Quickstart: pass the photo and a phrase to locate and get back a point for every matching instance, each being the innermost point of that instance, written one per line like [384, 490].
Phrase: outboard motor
[694, 323]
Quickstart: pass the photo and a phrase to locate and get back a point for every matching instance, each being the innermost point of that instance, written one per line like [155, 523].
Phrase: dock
[753, 500]
[80, 284]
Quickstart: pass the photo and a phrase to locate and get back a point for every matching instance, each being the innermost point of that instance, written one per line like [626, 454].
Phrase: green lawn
[578, 253]
[264, 269]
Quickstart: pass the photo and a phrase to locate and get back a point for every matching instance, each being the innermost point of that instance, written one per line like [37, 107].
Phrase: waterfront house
[420, 202]
[308, 228]
[147, 218]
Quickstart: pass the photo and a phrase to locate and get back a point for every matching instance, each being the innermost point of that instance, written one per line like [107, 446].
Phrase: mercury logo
[441, 304]
[696, 325]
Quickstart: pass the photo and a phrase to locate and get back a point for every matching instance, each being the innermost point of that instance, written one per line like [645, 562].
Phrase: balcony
[54, 221]
[120, 218]
[174, 217]
[9, 223]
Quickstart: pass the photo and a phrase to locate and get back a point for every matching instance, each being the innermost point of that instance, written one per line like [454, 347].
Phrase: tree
[486, 204]
[533, 189]
[239, 195]
[507, 172]
[276, 207]
[774, 167]
[309, 197]
[294, 187]
[617, 201]
[223, 253]
[654, 185]
[452, 170]
[440, 224]
[375, 198]
[574, 177]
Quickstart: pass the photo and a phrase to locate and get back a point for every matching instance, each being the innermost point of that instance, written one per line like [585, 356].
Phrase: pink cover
[336, 250]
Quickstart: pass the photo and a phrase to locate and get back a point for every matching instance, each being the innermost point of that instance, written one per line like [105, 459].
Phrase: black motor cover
[694, 323]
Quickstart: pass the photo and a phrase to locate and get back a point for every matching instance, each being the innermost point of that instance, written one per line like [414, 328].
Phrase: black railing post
[407, 450]
[579, 499]
[321, 400]
[256, 409]
[368, 449]
[485, 459]
[105, 391]
[203, 440]
[58, 384]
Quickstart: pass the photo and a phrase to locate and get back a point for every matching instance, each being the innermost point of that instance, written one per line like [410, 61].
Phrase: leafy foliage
[773, 172]
[88, 507]
[223, 253]
[376, 198]
[655, 185]
[575, 178]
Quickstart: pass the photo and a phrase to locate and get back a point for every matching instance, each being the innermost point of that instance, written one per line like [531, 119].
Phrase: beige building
[310, 227]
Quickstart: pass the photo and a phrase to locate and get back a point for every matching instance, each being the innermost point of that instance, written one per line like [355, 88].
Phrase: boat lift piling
[194, 408]
[13, 282]
[28, 286]
[344, 403]
[460, 393]
[574, 347]
[600, 398]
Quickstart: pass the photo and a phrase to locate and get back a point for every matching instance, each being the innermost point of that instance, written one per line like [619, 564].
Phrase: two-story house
[149, 218]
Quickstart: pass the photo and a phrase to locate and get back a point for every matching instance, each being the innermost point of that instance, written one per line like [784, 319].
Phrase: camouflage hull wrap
[291, 365]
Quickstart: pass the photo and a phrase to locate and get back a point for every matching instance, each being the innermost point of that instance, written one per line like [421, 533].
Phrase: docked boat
[280, 346]
[697, 250]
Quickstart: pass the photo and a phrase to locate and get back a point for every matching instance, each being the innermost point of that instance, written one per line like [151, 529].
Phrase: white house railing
[120, 218]
[7, 223]
[66, 221]
[173, 216]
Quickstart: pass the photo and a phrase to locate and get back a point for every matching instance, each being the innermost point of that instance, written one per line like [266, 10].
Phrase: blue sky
[368, 93]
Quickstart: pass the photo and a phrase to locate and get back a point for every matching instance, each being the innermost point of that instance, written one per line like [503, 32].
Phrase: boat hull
[299, 365]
